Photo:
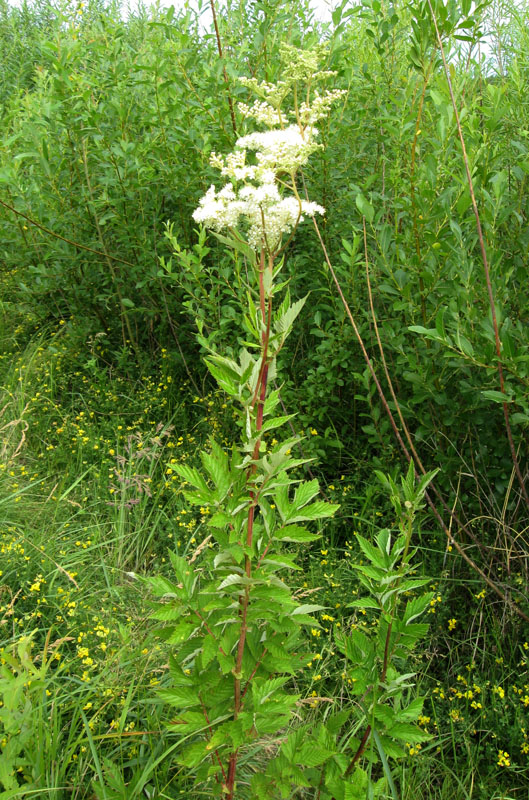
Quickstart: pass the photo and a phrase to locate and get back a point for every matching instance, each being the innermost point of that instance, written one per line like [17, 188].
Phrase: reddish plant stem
[485, 264]
[359, 752]
[208, 723]
[259, 397]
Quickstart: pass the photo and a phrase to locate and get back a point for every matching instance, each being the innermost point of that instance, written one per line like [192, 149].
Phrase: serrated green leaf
[416, 607]
[363, 602]
[232, 580]
[407, 732]
[318, 510]
[313, 754]
[225, 381]
[391, 748]
[282, 560]
[306, 608]
[304, 493]
[180, 633]
[180, 696]
[167, 613]
[191, 475]
[226, 662]
[218, 471]
[295, 533]
[286, 320]
[210, 647]
[264, 690]
[184, 572]
[373, 553]
[411, 711]
[161, 586]
[276, 422]
[371, 572]
[194, 754]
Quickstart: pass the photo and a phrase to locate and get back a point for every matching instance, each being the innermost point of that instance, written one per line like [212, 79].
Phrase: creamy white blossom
[320, 106]
[234, 165]
[220, 210]
[258, 204]
[273, 93]
[263, 112]
[283, 149]
[255, 199]
[267, 215]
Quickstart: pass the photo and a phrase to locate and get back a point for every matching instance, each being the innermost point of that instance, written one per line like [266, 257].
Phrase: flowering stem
[259, 398]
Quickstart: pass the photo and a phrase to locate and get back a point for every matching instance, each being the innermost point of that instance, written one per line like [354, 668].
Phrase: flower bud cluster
[263, 112]
[320, 106]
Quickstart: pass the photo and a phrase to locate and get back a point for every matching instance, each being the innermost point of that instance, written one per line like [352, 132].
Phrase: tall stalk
[247, 640]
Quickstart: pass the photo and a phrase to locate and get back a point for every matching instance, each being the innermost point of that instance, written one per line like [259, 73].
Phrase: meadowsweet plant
[232, 619]
[21, 684]
[377, 654]
[349, 755]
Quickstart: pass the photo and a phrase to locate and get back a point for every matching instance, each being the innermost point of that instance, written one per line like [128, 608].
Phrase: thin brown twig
[398, 436]
[416, 457]
[225, 74]
[63, 238]
[485, 262]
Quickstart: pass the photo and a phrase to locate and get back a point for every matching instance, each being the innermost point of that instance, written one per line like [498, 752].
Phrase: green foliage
[21, 684]
[107, 125]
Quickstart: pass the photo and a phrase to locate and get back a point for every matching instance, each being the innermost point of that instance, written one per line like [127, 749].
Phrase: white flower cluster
[274, 93]
[258, 206]
[302, 65]
[283, 149]
[234, 166]
[268, 215]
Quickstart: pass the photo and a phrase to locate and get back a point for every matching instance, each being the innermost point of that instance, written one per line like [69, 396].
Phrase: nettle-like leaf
[180, 696]
[295, 533]
[192, 476]
[416, 607]
[376, 555]
[298, 510]
[226, 376]
[287, 315]
[407, 732]
[314, 511]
